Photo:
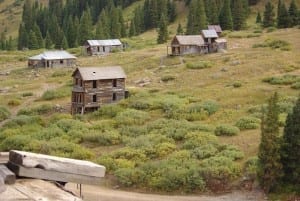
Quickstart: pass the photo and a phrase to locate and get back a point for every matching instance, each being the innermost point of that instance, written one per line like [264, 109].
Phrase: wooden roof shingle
[190, 40]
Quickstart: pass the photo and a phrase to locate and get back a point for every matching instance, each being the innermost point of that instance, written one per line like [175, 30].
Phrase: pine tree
[48, 41]
[269, 170]
[258, 18]
[121, 21]
[104, 23]
[269, 15]
[213, 16]
[3, 41]
[283, 16]
[33, 42]
[85, 27]
[115, 26]
[293, 13]
[162, 30]
[64, 43]
[225, 17]
[179, 30]
[39, 36]
[23, 37]
[196, 18]
[9, 44]
[238, 14]
[290, 154]
[132, 29]
[171, 10]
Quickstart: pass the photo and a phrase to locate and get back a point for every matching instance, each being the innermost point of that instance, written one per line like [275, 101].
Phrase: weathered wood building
[56, 58]
[217, 28]
[100, 47]
[210, 37]
[96, 86]
[187, 44]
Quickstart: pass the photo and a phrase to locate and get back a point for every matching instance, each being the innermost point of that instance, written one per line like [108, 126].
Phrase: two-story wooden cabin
[102, 47]
[96, 86]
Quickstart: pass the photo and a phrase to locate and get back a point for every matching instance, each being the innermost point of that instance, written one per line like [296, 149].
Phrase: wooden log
[51, 175]
[3, 157]
[57, 164]
[8, 176]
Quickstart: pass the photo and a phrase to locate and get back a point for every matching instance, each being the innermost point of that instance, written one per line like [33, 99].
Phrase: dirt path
[97, 193]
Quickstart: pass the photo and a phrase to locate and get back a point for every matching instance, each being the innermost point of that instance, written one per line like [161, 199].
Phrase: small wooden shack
[210, 37]
[56, 58]
[96, 86]
[217, 28]
[100, 47]
[187, 44]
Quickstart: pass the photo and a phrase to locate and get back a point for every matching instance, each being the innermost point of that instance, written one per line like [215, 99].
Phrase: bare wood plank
[8, 176]
[3, 157]
[2, 185]
[38, 173]
[57, 164]
[32, 189]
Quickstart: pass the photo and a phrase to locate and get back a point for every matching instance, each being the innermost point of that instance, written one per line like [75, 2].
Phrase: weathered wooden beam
[2, 185]
[8, 176]
[3, 157]
[56, 164]
[51, 175]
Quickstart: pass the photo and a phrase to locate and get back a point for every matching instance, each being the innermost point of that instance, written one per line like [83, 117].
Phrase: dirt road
[95, 193]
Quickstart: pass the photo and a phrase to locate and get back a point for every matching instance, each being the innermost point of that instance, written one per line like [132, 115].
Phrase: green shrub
[167, 78]
[103, 138]
[271, 29]
[14, 102]
[251, 166]
[199, 65]
[282, 119]
[164, 149]
[231, 152]
[133, 131]
[135, 155]
[210, 106]
[17, 142]
[38, 110]
[132, 117]
[4, 113]
[26, 94]
[139, 104]
[205, 151]
[248, 123]
[57, 93]
[23, 120]
[225, 129]
[194, 140]
[296, 85]
[237, 84]
[108, 111]
[129, 177]
[283, 80]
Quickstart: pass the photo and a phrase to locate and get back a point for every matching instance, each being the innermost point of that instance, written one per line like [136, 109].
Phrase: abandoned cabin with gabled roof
[217, 28]
[207, 42]
[101, 47]
[96, 86]
[188, 44]
[53, 58]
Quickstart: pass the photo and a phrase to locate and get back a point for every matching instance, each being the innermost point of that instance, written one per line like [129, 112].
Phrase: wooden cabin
[101, 47]
[187, 44]
[56, 58]
[210, 37]
[217, 28]
[96, 86]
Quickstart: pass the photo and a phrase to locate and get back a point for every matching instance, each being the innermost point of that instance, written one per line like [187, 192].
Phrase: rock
[224, 69]
[234, 63]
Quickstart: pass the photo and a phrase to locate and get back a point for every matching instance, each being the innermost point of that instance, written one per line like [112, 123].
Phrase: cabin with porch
[187, 44]
[102, 47]
[56, 58]
[96, 86]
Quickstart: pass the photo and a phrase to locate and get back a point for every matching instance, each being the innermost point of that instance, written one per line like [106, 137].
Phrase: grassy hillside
[190, 96]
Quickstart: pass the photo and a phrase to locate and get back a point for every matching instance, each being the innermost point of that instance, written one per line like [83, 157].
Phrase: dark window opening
[81, 83]
[103, 49]
[114, 97]
[94, 98]
[94, 83]
[98, 49]
[114, 83]
[61, 61]
[76, 81]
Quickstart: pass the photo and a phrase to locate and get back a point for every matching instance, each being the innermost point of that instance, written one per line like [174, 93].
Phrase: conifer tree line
[230, 14]
[152, 14]
[284, 18]
[69, 24]
[279, 156]
[6, 43]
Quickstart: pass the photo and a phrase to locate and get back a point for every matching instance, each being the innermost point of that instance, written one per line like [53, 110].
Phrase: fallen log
[51, 175]
[7, 176]
[56, 164]
[3, 157]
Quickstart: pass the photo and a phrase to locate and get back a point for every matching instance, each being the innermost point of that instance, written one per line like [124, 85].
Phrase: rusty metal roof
[109, 42]
[210, 33]
[53, 55]
[100, 73]
[190, 40]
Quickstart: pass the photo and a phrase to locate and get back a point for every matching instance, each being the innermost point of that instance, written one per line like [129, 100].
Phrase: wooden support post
[8, 176]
